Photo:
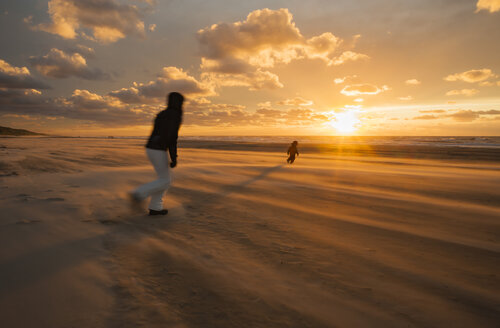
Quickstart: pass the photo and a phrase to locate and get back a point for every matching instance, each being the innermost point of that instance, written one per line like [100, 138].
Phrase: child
[292, 150]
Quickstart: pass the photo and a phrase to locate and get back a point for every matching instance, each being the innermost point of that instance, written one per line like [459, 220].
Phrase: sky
[317, 67]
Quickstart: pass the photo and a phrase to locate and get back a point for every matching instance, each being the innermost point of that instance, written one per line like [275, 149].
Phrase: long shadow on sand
[226, 190]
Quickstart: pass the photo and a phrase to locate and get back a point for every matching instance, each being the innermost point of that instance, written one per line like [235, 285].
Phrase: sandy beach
[359, 238]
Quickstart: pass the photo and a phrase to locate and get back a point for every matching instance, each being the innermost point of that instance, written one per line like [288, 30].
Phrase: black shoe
[162, 212]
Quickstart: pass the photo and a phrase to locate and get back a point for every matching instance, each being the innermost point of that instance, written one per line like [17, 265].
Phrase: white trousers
[155, 189]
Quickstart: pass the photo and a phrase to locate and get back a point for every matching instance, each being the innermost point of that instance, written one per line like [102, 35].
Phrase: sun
[346, 122]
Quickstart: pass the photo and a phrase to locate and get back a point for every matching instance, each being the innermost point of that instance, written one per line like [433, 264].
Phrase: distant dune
[17, 132]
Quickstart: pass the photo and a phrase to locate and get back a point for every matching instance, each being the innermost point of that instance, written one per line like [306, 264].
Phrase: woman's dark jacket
[165, 132]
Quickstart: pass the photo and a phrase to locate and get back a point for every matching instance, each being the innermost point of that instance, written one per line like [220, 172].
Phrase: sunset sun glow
[345, 123]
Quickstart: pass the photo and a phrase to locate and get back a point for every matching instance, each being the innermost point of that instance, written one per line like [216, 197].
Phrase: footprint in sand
[11, 174]
[24, 197]
[109, 222]
[54, 199]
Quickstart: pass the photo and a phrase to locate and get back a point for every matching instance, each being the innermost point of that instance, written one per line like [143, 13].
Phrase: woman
[163, 137]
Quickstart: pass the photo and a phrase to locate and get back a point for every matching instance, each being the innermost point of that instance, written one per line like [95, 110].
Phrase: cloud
[270, 112]
[464, 116]
[433, 111]
[81, 105]
[407, 98]
[17, 101]
[209, 114]
[297, 101]
[262, 30]
[58, 64]
[413, 82]
[486, 84]
[462, 92]
[489, 5]
[234, 73]
[221, 117]
[18, 78]
[170, 79]
[264, 104]
[348, 56]
[472, 76]
[88, 106]
[489, 112]
[109, 111]
[241, 53]
[152, 27]
[363, 89]
[108, 20]
[340, 80]
[83, 50]
[426, 117]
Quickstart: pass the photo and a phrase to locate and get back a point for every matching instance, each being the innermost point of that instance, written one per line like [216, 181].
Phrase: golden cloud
[472, 76]
[58, 64]
[486, 84]
[170, 79]
[348, 56]
[462, 92]
[462, 115]
[240, 53]
[81, 105]
[413, 82]
[12, 77]
[297, 101]
[208, 114]
[433, 111]
[253, 78]
[489, 5]
[363, 89]
[264, 104]
[108, 20]
[340, 80]
[426, 117]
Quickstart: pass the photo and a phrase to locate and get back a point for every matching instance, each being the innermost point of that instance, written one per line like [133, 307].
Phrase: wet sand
[339, 239]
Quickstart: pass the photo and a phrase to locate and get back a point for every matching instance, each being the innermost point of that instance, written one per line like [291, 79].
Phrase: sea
[438, 141]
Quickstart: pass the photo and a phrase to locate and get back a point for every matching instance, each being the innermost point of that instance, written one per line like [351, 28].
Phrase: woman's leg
[155, 189]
